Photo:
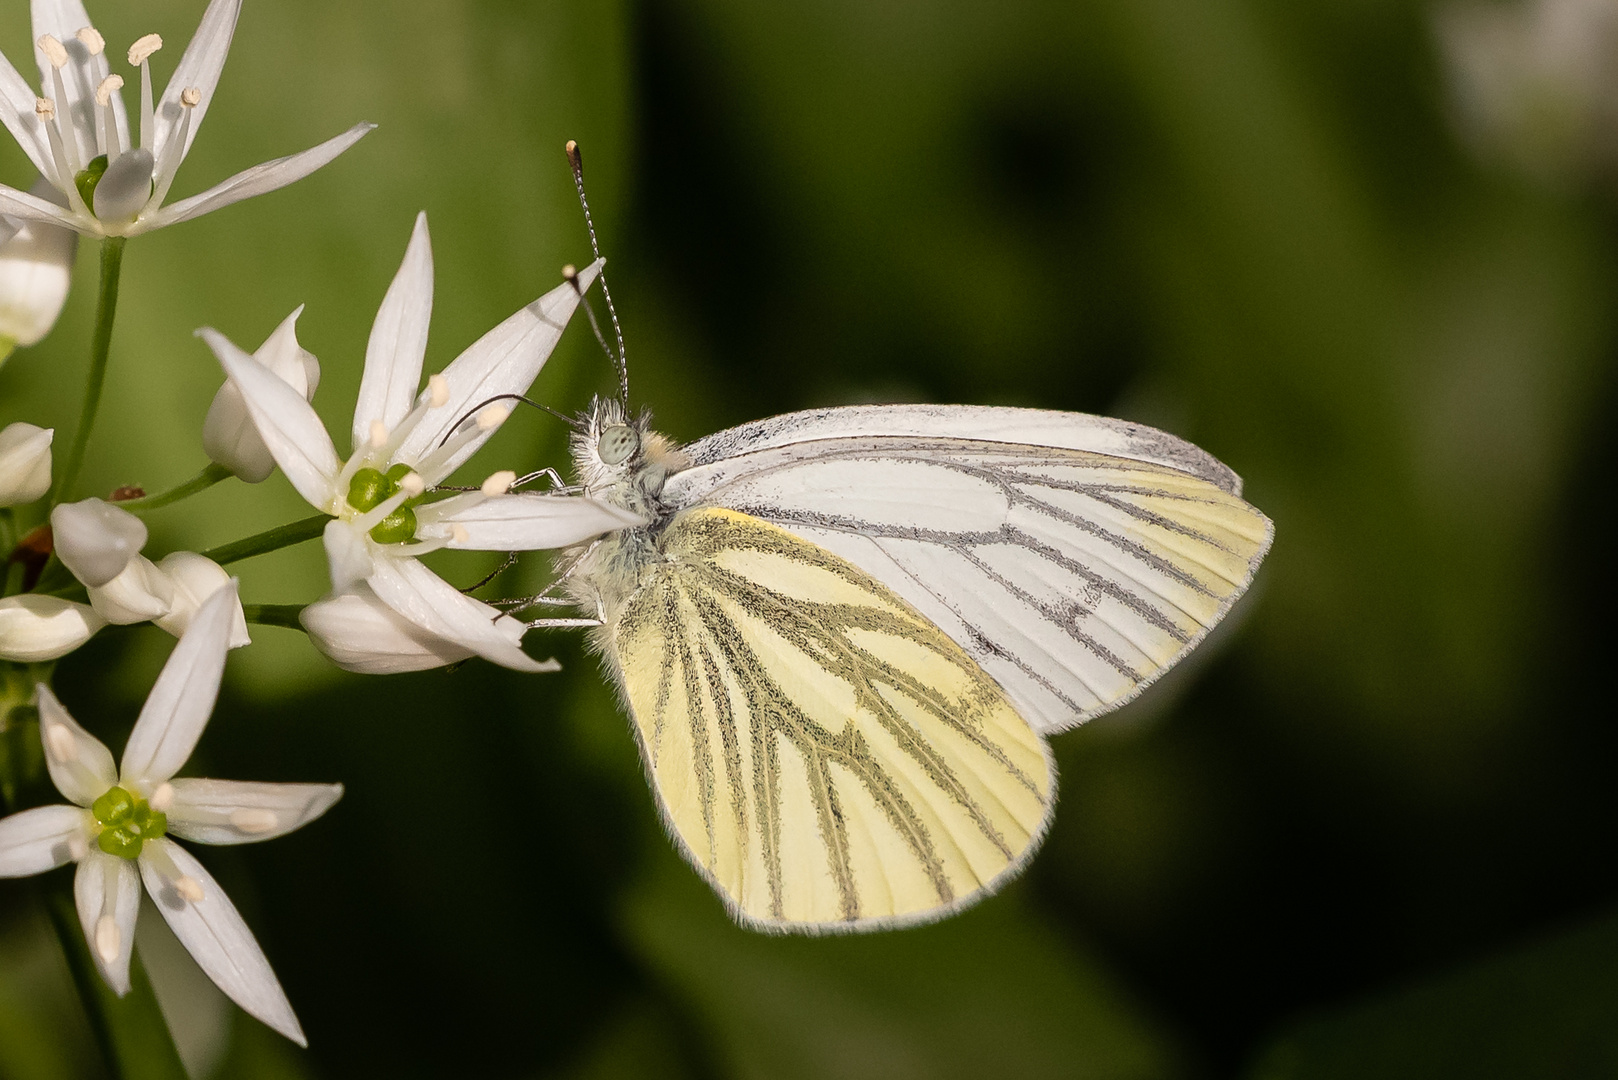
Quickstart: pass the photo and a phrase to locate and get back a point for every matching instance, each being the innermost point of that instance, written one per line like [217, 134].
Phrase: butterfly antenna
[570, 421]
[575, 160]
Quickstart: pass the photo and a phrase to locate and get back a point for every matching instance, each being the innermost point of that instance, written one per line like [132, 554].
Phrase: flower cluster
[78, 565]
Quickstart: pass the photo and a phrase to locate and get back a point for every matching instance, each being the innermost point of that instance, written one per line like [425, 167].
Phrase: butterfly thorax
[619, 460]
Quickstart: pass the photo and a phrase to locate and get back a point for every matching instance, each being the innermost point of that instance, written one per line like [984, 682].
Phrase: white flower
[96, 539]
[228, 434]
[193, 579]
[404, 444]
[25, 463]
[35, 628]
[78, 135]
[117, 828]
[360, 633]
[36, 268]
[100, 542]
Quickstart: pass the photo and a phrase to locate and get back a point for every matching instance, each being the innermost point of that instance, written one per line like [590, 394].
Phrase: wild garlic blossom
[25, 463]
[404, 444]
[111, 178]
[100, 543]
[118, 826]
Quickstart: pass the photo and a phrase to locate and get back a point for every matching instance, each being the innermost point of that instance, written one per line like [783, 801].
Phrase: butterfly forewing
[1074, 578]
[826, 754]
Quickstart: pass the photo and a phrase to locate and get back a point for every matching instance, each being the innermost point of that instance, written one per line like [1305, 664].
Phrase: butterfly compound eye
[616, 444]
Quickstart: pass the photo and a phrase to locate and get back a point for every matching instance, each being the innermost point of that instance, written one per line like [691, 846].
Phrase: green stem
[274, 615]
[112, 260]
[207, 478]
[131, 1031]
[271, 540]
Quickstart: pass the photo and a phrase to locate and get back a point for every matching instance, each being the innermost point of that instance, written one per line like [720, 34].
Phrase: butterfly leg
[552, 477]
[562, 624]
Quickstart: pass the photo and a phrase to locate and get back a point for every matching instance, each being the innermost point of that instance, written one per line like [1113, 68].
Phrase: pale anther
[190, 97]
[108, 85]
[189, 888]
[254, 821]
[499, 483]
[162, 799]
[92, 39]
[412, 484]
[62, 744]
[379, 433]
[144, 47]
[45, 108]
[54, 50]
[459, 535]
[109, 942]
[493, 417]
[437, 391]
[569, 272]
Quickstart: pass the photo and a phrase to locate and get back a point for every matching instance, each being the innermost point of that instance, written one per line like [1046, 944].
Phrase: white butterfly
[844, 634]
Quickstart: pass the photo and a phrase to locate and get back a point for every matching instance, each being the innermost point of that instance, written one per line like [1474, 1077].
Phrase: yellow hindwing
[825, 754]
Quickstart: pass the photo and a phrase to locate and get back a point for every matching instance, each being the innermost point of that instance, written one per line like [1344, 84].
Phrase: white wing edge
[981, 423]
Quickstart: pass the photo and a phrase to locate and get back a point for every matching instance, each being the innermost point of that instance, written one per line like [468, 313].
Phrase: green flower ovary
[370, 488]
[127, 822]
[88, 178]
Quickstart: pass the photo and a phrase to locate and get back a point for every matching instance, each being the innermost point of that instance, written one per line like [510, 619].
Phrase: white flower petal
[125, 187]
[42, 839]
[360, 633]
[36, 628]
[106, 891]
[25, 463]
[63, 19]
[204, 59]
[17, 112]
[348, 555]
[80, 765]
[96, 539]
[289, 426]
[260, 179]
[215, 935]
[20, 204]
[531, 521]
[142, 592]
[291, 362]
[236, 812]
[36, 272]
[229, 436]
[195, 578]
[182, 699]
[430, 602]
[506, 360]
[398, 341]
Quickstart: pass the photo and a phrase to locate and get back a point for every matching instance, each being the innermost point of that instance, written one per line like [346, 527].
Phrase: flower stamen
[139, 54]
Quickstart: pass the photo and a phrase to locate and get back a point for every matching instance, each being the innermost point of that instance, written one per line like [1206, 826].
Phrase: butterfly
[844, 635]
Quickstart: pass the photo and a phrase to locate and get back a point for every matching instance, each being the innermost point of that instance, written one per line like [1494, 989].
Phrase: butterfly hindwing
[824, 753]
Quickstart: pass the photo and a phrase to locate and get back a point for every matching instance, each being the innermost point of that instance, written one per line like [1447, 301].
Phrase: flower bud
[25, 463]
[36, 268]
[358, 632]
[140, 592]
[35, 628]
[228, 435]
[194, 579]
[96, 539]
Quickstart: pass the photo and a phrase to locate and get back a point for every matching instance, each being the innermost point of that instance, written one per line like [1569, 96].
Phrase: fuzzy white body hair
[609, 568]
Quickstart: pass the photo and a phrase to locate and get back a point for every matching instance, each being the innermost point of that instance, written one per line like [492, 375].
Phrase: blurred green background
[1368, 831]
